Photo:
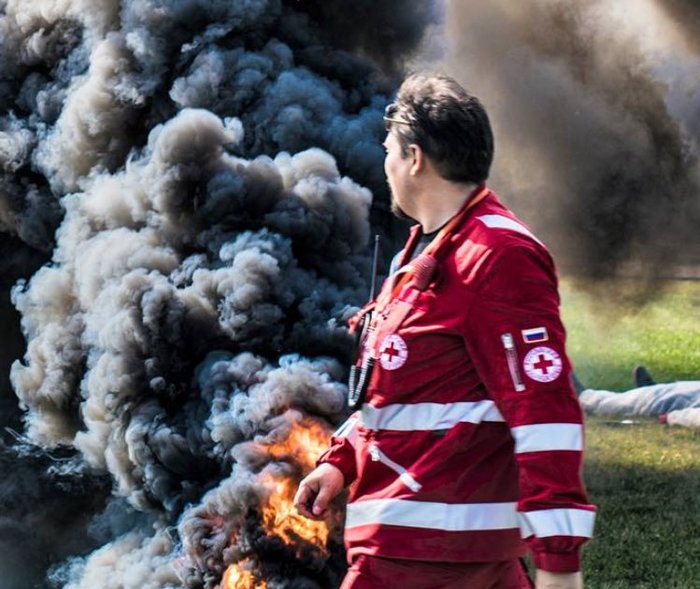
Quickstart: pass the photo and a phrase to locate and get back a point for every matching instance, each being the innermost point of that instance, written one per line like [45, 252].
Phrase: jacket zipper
[512, 360]
[408, 480]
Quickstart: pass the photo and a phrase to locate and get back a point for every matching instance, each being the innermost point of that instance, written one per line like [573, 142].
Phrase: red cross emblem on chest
[393, 352]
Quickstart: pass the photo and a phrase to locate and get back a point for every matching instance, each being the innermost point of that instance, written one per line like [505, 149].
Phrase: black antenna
[375, 262]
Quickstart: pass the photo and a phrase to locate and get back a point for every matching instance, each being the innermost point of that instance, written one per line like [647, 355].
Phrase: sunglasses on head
[390, 118]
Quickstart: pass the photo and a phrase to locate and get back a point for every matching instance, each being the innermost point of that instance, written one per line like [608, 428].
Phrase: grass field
[645, 477]
[606, 340]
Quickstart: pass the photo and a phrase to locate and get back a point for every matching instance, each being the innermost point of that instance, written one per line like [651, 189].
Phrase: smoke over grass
[594, 143]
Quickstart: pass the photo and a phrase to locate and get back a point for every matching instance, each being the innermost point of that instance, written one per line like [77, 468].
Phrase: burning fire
[236, 577]
[280, 518]
[305, 442]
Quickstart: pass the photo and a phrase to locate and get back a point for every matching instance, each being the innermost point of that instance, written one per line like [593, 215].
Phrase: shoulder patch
[542, 364]
[535, 335]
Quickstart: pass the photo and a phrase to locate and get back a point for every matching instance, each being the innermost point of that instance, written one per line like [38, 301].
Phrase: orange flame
[236, 577]
[304, 444]
[280, 518]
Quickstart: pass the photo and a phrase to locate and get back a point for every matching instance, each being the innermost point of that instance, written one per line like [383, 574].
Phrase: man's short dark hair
[449, 124]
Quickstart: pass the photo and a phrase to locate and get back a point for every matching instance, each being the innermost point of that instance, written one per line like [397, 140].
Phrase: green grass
[606, 340]
[645, 478]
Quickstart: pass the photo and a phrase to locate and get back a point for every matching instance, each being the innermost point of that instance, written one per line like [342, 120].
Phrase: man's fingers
[322, 500]
[303, 500]
[303, 510]
[317, 490]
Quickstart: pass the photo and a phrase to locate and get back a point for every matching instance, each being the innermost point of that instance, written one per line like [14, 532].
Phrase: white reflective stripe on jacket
[428, 416]
[431, 515]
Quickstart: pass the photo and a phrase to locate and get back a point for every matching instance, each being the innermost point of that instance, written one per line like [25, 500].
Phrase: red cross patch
[393, 352]
[542, 364]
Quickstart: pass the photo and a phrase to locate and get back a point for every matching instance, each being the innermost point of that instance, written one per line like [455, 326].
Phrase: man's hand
[317, 490]
[547, 580]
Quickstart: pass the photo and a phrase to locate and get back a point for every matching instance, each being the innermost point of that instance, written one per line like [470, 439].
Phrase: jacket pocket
[406, 477]
[512, 361]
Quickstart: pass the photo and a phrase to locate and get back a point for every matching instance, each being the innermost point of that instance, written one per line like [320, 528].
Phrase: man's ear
[417, 159]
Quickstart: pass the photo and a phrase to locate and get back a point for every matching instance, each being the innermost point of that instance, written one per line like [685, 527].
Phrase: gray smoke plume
[686, 16]
[596, 128]
[145, 282]
[48, 520]
[197, 179]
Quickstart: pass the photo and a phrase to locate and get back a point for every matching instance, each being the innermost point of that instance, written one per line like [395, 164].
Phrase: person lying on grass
[674, 403]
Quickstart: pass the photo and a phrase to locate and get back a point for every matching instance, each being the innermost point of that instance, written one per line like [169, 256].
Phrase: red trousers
[372, 572]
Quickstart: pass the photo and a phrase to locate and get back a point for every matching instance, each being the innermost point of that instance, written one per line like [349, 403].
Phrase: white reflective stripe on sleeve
[556, 522]
[547, 436]
[428, 416]
[501, 222]
[451, 517]
[348, 429]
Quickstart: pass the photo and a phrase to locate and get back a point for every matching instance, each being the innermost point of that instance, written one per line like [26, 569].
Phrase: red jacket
[470, 438]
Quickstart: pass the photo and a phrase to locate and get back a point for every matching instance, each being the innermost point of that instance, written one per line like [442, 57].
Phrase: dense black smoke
[183, 170]
[199, 179]
[597, 132]
[47, 521]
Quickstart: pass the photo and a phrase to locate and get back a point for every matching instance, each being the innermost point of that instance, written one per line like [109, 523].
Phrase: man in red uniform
[466, 448]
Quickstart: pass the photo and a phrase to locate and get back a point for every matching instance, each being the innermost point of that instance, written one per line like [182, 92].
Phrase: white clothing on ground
[679, 400]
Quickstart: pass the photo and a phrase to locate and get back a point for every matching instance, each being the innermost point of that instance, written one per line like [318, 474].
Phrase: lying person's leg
[650, 400]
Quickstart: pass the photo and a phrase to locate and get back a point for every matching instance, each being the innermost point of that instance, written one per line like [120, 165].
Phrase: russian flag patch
[535, 335]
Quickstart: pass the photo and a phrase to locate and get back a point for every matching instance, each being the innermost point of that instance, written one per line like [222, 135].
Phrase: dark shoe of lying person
[642, 377]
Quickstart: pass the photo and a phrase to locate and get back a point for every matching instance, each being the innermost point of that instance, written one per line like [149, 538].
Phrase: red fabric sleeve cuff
[337, 460]
[557, 562]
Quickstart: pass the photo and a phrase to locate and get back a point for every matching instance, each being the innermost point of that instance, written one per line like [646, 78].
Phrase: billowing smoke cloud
[198, 176]
[686, 16]
[48, 500]
[597, 135]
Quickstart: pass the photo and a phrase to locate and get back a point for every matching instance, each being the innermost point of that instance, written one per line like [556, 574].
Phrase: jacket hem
[434, 545]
